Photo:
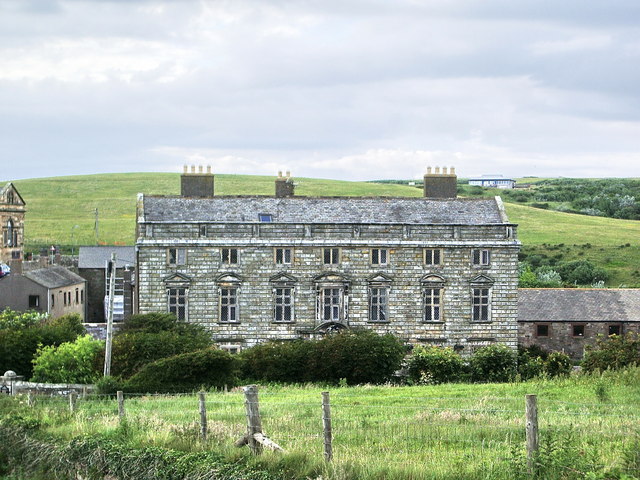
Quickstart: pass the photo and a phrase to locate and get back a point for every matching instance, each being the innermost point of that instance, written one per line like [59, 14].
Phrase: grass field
[61, 211]
[587, 424]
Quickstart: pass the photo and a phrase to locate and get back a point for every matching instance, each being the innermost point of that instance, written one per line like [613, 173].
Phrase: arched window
[9, 234]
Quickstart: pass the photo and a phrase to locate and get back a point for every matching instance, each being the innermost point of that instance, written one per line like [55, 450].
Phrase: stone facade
[12, 211]
[254, 268]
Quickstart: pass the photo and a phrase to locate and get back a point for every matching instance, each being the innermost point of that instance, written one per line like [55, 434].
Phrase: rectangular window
[480, 303]
[379, 256]
[265, 217]
[177, 302]
[230, 348]
[34, 301]
[203, 230]
[64, 297]
[228, 304]
[15, 254]
[53, 300]
[283, 256]
[432, 304]
[229, 256]
[82, 296]
[331, 256]
[578, 330]
[614, 330]
[283, 304]
[331, 304]
[432, 256]
[77, 296]
[481, 257]
[542, 330]
[378, 302]
[176, 256]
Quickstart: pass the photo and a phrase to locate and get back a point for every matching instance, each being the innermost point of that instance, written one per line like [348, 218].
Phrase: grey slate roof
[578, 305]
[54, 277]
[97, 257]
[310, 210]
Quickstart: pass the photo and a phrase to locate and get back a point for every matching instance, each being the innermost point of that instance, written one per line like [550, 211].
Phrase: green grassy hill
[61, 210]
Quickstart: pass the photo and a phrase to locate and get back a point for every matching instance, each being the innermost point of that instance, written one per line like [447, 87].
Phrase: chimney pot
[428, 170]
[437, 171]
[193, 169]
[279, 173]
[200, 169]
[208, 168]
[444, 170]
[452, 170]
[288, 174]
[186, 169]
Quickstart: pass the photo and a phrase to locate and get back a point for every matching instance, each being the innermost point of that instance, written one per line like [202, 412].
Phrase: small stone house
[55, 290]
[568, 319]
[435, 270]
[12, 211]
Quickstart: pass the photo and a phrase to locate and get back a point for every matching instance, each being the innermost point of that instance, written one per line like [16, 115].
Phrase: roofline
[349, 197]
[253, 222]
[16, 191]
[580, 289]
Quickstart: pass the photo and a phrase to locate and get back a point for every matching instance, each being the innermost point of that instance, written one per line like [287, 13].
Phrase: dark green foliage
[150, 337]
[355, 356]
[614, 352]
[208, 368]
[433, 365]
[18, 346]
[494, 363]
[109, 385]
[557, 364]
[530, 363]
[581, 272]
[277, 361]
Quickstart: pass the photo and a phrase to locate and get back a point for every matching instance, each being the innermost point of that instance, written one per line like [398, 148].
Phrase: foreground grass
[427, 432]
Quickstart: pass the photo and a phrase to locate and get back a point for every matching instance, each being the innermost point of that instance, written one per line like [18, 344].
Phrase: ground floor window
[432, 304]
[332, 304]
[177, 302]
[480, 302]
[542, 330]
[34, 301]
[283, 304]
[378, 304]
[614, 330]
[229, 304]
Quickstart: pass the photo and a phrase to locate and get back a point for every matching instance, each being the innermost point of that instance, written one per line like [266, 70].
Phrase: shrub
[530, 362]
[557, 364]
[357, 356]
[190, 371]
[494, 363]
[434, 365]
[277, 361]
[109, 385]
[10, 319]
[70, 362]
[19, 345]
[150, 337]
[612, 352]
[581, 272]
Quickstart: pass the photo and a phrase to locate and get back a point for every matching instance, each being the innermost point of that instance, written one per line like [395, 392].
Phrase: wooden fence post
[30, 400]
[73, 396]
[254, 424]
[531, 412]
[326, 426]
[203, 416]
[120, 397]
[85, 392]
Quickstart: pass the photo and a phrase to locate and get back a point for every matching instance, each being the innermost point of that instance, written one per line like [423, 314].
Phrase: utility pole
[112, 291]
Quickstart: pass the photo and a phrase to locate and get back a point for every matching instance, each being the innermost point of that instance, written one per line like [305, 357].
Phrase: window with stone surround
[379, 256]
[331, 256]
[229, 305]
[10, 235]
[176, 256]
[231, 348]
[332, 304]
[542, 330]
[577, 330]
[615, 329]
[480, 300]
[378, 303]
[283, 304]
[433, 256]
[177, 299]
[432, 293]
[283, 256]
[229, 256]
[481, 257]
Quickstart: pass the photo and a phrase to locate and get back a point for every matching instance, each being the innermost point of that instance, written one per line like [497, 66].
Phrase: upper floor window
[283, 256]
[432, 256]
[378, 303]
[203, 230]
[229, 256]
[331, 256]
[177, 302]
[11, 199]
[176, 256]
[265, 217]
[481, 257]
[379, 256]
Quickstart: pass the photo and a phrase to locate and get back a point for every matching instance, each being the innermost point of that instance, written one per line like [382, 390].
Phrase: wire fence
[386, 431]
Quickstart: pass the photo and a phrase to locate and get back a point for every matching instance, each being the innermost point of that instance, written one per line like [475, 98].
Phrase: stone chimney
[284, 185]
[196, 184]
[441, 184]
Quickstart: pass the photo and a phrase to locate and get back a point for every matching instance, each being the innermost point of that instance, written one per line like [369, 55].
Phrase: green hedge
[614, 352]
[433, 365]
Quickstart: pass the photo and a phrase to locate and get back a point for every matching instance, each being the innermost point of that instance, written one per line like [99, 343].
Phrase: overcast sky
[344, 89]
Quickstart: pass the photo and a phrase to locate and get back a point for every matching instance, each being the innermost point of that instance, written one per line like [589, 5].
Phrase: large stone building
[569, 319]
[12, 210]
[440, 271]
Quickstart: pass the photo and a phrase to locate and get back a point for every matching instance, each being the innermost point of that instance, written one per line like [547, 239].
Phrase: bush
[19, 345]
[356, 356]
[557, 364]
[277, 361]
[494, 363]
[530, 362]
[109, 385]
[10, 319]
[581, 272]
[614, 352]
[150, 337]
[70, 362]
[434, 365]
[187, 372]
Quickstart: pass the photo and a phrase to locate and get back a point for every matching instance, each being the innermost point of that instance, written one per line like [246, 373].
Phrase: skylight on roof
[265, 217]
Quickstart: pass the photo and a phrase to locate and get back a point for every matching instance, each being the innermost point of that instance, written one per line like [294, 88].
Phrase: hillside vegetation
[61, 211]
